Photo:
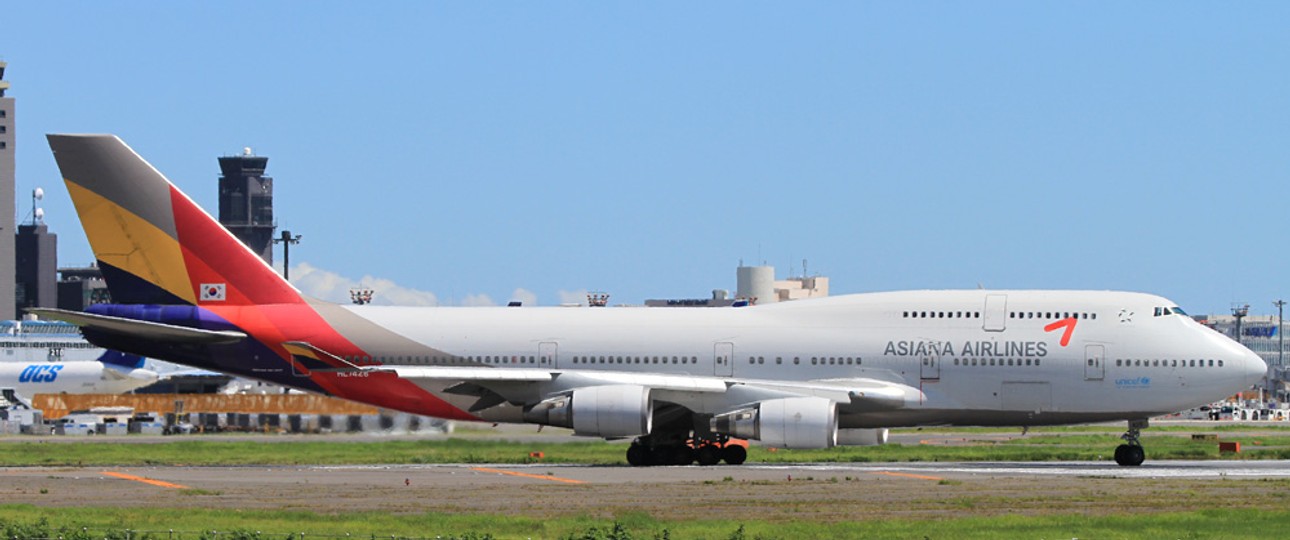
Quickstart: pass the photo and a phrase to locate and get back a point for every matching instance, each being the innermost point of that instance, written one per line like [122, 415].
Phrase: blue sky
[468, 150]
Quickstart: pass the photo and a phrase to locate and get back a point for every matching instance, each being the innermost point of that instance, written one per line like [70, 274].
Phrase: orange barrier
[58, 405]
[1229, 447]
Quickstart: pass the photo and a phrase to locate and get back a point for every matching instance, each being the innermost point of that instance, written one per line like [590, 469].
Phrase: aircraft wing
[856, 394]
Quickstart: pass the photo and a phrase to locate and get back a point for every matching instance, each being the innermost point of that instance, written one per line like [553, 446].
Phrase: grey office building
[37, 267]
[7, 187]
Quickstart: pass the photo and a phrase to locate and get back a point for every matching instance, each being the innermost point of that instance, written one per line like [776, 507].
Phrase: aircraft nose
[1254, 368]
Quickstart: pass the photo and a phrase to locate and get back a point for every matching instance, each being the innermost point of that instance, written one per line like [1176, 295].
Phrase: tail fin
[154, 244]
[120, 359]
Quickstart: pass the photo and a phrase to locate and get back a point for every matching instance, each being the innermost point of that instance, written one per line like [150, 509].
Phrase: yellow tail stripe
[128, 242]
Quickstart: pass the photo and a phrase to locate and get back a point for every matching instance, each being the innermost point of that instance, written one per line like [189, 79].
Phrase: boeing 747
[680, 382]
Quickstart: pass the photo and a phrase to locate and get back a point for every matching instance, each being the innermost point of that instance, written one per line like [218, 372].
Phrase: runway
[828, 492]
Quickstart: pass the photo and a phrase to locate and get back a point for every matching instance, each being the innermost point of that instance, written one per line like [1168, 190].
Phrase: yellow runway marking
[527, 475]
[907, 475]
[160, 483]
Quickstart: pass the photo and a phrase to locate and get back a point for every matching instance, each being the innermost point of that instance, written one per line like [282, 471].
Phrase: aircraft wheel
[660, 455]
[1127, 455]
[638, 456]
[734, 454]
[682, 455]
[708, 455]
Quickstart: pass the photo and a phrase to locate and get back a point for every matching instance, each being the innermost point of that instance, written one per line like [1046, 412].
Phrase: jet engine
[803, 422]
[600, 411]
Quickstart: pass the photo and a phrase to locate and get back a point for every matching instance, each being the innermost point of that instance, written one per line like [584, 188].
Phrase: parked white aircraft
[112, 373]
[681, 381]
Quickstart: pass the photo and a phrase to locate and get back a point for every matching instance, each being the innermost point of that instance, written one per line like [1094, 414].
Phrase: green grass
[25, 521]
[1038, 446]
[193, 451]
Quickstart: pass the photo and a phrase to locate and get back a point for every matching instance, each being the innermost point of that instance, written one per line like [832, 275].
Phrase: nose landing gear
[1131, 453]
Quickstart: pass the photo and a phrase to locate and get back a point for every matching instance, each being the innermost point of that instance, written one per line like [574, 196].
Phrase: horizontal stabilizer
[314, 359]
[121, 360]
[166, 333]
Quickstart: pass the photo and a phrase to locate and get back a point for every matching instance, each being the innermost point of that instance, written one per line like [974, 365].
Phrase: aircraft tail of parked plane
[680, 381]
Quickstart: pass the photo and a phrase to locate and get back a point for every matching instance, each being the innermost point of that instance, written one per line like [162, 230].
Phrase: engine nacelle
[601, 411]
[862, 437]
[805, 422]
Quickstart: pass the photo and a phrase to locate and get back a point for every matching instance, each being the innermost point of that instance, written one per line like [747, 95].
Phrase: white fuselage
[85, 377]
[978, 357]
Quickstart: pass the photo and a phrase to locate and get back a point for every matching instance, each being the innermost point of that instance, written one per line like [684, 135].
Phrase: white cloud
[477, 300]
[334, 287]
[573, 297]
[525, 296]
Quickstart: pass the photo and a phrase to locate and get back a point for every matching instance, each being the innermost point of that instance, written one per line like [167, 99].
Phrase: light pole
[1281, 339]
[1240, 312]
[286, 240]
[1281, 350]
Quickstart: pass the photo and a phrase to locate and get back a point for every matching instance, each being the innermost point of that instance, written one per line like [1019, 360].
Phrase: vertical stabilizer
[154, 245]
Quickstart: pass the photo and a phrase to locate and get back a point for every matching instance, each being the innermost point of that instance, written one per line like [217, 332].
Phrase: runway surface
[828, 492]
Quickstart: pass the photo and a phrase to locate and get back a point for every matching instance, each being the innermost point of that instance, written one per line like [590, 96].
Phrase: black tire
[1127, 455]
[638, 456]
[682, 455]
[708, 455]
[660, 455]
[734, 454]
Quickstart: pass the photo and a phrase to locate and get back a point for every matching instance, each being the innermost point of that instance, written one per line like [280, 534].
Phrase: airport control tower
[246, 201]
[7, 186]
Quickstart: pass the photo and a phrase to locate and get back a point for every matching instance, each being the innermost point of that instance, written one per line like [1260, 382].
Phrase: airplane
[113, 373]
[680, 382]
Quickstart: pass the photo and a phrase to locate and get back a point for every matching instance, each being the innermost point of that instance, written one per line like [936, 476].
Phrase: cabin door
[931, 368]
[1094, 362]
[724, 359]
[548, 354]
[995, 317]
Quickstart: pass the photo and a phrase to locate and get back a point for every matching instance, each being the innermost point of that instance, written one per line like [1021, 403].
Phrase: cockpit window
[1178, 311]
[1175, 310]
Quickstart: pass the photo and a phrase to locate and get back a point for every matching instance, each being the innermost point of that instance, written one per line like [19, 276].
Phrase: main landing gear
[1131, 453]
[645, 452]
